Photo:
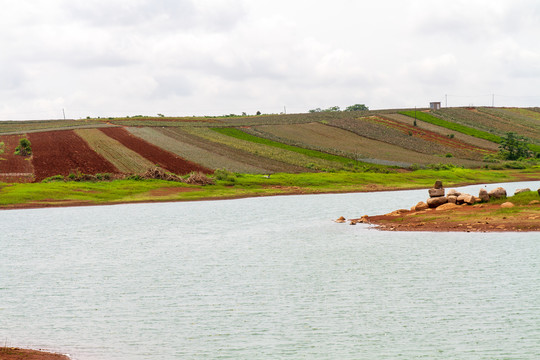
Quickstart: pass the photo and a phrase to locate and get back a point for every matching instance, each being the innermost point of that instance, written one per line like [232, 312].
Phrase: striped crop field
[199, 151]
[64, 152]
[125, 160]
[271, 152]
[155, 154]
[333, 139]
[467, 139]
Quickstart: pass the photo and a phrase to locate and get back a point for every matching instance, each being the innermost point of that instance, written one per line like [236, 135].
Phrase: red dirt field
[153, 153]
[24, 354]
[14, 168]
[63, 152]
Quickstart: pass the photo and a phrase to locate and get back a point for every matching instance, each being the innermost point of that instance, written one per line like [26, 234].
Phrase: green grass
[452, 126]
[238, 134]
[245, 185]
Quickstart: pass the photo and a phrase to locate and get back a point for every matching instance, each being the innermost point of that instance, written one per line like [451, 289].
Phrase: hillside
[381, 141]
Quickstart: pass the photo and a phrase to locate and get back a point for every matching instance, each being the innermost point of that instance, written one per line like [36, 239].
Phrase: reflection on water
[264, 278]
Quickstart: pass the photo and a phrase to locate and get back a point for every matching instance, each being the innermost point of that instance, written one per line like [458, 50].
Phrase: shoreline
[51, 203]
[13, 353]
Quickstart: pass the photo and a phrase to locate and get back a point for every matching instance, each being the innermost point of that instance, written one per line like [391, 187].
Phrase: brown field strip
[14, 168]
[124, 159]
[328, 138]
[155, 154]
[62, 152]
[179, 143]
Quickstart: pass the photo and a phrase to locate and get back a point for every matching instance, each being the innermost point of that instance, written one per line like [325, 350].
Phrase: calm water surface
[264, 278]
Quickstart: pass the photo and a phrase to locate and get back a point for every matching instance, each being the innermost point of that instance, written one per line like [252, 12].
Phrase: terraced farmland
[210, 154]
[294, 143]
[336, 140]
[125, 160]
[63, 152]
[153, 153]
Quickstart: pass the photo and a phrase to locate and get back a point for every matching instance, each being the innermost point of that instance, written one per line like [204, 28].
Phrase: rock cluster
[438, 197]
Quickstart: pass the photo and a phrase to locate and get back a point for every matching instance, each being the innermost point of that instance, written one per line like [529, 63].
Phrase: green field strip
[452, 126]
[460, 128]
[239, 134]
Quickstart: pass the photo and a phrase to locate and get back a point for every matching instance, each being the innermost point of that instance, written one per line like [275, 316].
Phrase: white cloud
[183, 57]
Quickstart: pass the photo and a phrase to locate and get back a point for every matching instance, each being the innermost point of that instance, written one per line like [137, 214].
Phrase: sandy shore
[7, 353]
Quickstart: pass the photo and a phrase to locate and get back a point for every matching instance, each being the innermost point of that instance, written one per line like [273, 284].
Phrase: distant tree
[513, 147]
[332, 109]
[244, 113]
[258, 113]
[357, 107]
[160, 115]
[315, 110]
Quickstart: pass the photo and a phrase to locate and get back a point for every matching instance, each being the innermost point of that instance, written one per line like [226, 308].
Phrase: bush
[53, 179]
[514, 147]
[224, 175]
[24, 148]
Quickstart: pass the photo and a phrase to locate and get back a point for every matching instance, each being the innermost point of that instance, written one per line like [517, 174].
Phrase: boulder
[437, 201]
[497, 193]
[461, 198]
[438, 184]
[483, 195]
[420, 206]
[436, 192]
[447, 206]
[519, 191]
[507, 205]
[340, 220]
[452, 199]
[469, 199]
[453, 192]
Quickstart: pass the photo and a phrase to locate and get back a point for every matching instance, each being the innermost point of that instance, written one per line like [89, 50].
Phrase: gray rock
[453, 192]
[483, 195]
[437, 201]
[519, 191]
[452, 199]
[497, 193]
[420, 206]
[436, 192]
[438, 184]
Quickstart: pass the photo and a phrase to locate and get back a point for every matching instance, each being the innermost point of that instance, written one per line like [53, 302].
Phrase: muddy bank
[7, 353]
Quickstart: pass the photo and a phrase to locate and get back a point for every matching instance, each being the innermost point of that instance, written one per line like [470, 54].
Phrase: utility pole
[445, 100]
[64, 112]
[285, 110]
[492, 100]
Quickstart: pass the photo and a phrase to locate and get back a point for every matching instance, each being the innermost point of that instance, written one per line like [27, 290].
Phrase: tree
[357, 107]
[513, 147]
[24, 148]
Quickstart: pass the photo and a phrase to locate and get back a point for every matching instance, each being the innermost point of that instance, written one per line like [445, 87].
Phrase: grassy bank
[242, 185]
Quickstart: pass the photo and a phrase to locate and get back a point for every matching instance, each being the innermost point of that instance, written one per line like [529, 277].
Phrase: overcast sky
[213, 57]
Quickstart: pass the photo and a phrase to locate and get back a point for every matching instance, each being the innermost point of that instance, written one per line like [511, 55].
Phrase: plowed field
[14, 168]
[62, 152]
[153, 153]
[125, 160]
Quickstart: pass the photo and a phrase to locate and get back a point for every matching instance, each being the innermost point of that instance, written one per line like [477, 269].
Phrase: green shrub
[53, 179]
[224, 175]
[24, 148]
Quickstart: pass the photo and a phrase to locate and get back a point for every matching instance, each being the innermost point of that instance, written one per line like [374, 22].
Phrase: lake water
[264, 278]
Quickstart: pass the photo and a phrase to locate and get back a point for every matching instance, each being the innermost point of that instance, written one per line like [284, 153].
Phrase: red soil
[64, 152]
[153, 153]
[14, 168]
[23, 354]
